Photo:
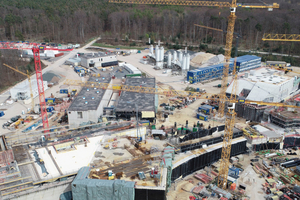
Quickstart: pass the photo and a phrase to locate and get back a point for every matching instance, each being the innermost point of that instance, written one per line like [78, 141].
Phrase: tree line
[66, 21]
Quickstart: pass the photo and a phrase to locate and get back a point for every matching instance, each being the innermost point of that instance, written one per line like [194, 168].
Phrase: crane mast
[40, 83]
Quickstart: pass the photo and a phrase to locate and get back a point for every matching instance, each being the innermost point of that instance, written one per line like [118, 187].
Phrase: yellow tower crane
[229, 123]
[28, 76]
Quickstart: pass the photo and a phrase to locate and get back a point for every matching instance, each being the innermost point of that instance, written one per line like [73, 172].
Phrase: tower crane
[229, 122]
[30, 86]
[35, 47]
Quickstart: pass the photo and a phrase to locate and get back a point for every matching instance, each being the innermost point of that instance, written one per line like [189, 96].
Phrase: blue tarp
[1, 113]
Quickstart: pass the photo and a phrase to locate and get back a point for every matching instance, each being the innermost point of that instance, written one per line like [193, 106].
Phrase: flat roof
[145, 102]
[92, 96]
[97, 55]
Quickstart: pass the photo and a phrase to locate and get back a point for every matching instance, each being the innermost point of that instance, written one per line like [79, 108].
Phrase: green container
[153, 127]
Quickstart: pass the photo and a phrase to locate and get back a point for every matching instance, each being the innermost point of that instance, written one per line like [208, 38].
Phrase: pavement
[57, 66]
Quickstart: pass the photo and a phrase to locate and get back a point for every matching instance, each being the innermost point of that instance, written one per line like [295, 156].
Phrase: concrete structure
[89, 103]
[73, 61]
[147, 103]
[266, 85]
[22, 90]
[99, 59]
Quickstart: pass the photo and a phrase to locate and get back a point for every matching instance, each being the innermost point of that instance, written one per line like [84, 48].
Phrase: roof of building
[145, 102]
[92, 96]
[97, 55]
[263, 83]
[133, 69]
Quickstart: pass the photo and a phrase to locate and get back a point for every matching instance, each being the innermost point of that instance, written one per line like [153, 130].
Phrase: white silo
[183, 63]
[180, 56]
[175, 56]
[151, 49]
[162, 53]
[188, 57]
[169, 59]
[156, 53]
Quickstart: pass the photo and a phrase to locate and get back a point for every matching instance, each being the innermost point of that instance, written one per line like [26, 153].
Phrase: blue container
[50, 109]
[64, 91]
[205, 109]
[1, 113]
[50, 100]
[202, 117]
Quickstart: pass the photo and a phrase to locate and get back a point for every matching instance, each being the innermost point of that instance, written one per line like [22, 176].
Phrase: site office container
[202, 117]
[64, 91]
[50, 100]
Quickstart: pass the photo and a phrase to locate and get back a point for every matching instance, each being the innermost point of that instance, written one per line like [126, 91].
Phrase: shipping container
[59, 54]
[50, 100]
[202, 117]
[64, 91]
[206, 109]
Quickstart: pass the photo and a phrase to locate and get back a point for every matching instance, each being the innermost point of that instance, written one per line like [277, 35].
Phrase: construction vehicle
[106, 146]
[111, 175]
[17, 123]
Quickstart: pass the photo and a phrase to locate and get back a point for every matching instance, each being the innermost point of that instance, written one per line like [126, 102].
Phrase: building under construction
[144, 103]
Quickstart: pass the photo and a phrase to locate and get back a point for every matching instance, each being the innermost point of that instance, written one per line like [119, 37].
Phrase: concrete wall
[97, 60]
[90, 115]
[46, 192]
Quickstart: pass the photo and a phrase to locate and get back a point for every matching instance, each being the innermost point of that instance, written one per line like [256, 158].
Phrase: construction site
[155, 124]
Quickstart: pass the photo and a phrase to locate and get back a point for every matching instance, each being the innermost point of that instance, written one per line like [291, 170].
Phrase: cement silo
[180, 56]
[175, 56]
[151, 49]
[162, 54]
[157, 53]
[188, 57]
[169, 63]
[183, 63]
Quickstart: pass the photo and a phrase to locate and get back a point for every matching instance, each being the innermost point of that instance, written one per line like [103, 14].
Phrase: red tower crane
[35, 47]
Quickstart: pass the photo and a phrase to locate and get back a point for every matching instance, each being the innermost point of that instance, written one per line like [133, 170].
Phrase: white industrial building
[43, 53]
[99, 59]
[22, 90]
[89, 103]
[130, 68]
[267, 85]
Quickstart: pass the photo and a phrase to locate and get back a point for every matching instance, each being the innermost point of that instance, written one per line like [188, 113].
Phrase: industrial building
[243, 63]
[22, 90]
[266, 85]
[132, 70]
[99, 59]
[130, 101]
[88, 105]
